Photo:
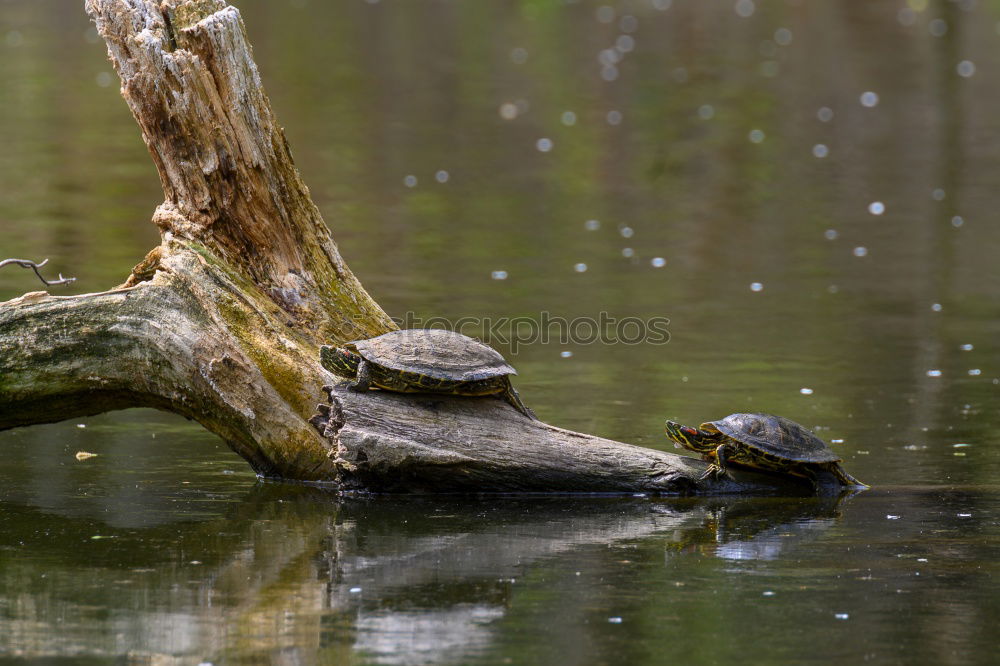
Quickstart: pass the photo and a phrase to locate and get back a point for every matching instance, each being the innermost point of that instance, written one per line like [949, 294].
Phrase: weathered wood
[190, 341]
[228, 177]
[27, 263]
[390, 442]
[222, 321]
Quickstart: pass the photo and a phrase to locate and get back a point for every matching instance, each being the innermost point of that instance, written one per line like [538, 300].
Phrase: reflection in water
[296, 567]
[299, 572]
[437, 636]
[760, 528]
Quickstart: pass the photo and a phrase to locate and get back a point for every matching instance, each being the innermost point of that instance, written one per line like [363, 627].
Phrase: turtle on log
[764, 442]
[425, 361]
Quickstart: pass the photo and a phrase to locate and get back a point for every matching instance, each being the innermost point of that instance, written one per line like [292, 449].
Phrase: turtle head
[690, 438]
[339, 360]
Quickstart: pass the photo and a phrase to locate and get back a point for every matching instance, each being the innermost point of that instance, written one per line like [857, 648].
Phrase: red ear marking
[689, 431]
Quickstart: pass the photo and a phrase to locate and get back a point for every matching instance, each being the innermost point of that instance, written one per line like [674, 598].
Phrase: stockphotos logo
[546, 328]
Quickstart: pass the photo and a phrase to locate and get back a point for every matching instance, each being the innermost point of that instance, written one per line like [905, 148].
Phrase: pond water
[806, 191]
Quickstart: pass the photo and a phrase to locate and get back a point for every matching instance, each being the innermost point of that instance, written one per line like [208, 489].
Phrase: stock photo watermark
[546, 328]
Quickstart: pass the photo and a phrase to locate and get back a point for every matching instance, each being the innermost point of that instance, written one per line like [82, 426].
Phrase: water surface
[820, 253]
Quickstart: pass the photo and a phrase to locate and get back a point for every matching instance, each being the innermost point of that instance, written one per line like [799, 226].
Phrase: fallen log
[222, 321]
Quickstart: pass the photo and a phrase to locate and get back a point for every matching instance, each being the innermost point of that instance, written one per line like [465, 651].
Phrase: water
[890, 353]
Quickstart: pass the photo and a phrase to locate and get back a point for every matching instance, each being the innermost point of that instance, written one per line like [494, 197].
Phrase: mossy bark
[222, 321]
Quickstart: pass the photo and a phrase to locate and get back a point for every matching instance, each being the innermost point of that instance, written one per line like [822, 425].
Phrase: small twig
[25, 263]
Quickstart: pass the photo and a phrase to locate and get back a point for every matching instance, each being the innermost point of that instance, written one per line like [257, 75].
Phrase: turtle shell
[775, 435]
[434, 353]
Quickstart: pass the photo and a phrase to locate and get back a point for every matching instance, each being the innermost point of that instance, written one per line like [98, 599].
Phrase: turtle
[764, 442]
[419, 360]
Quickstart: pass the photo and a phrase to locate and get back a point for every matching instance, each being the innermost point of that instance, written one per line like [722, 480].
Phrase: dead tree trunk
[222, 321]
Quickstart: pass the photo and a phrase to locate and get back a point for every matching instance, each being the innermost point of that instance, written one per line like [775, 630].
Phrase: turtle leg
[846, 478]
[719, 469]
[364, 380]
[510, 395]
[829, 478]
[814, 478]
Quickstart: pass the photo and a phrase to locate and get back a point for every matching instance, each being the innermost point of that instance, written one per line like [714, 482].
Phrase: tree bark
[222, 321]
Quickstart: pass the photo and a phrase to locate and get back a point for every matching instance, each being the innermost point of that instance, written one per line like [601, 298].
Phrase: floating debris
[820, 150]
[860, 251]
[975, 372]
[410, 181]
[756, 136]
[592, 225]
[628, 252]
[806, 391]
[609, 57]
[508, 111]
[544, 145]
[782, 36]
[966, 68]
[876, 208]
[626, 232]
[957, 221]
[825, 114]
[869, 99]
[442, 176]
[615, 620]
[933, 373]
[499, 275]
[580, 268]
[906, 16]
[841, 616]
[706, 111]
[658, 262]
[566, 354]
[936, 307]
[756, 286]
[85, 455]
[745, 8]
[614, 117]
[831, 234]
[937, 27]
[937, 194]
[568, 118]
